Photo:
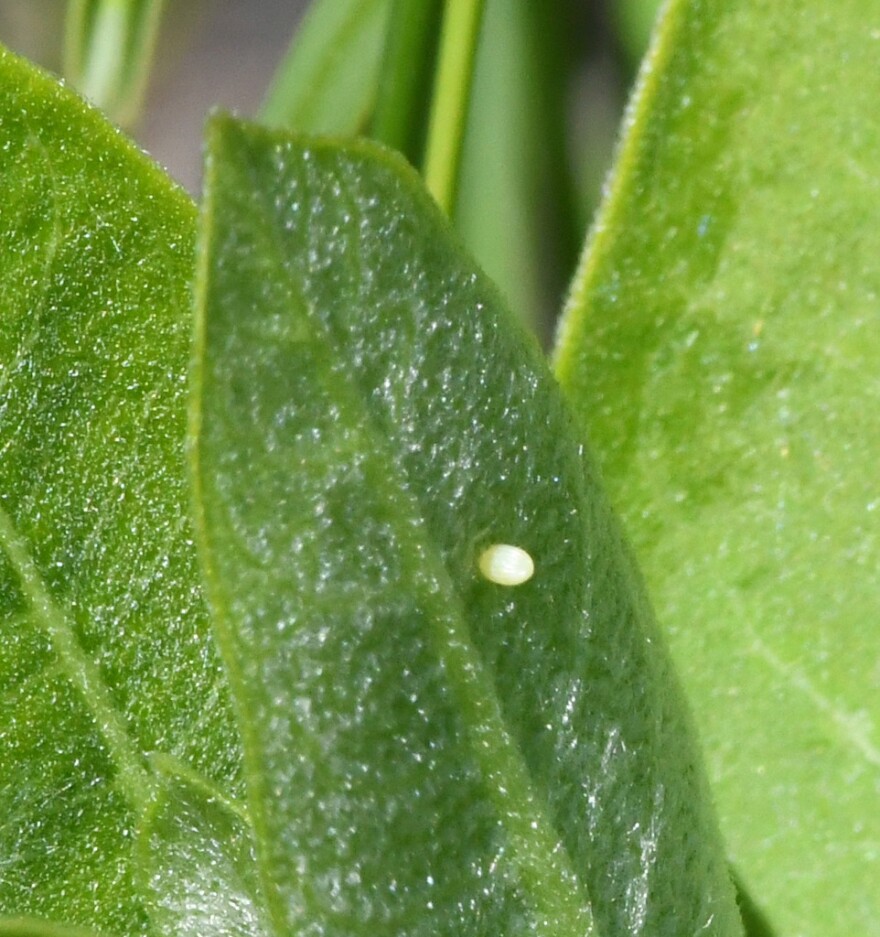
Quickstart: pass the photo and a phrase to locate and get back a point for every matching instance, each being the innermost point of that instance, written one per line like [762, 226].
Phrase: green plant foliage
[513, 172]
[29, 927]
[495, 209]
[634, 20]
[456, 61]
[108, 52]
[329, 79]
[722, 349]
[408, 62]
[426, 752]
[105, 649]
[196, 864]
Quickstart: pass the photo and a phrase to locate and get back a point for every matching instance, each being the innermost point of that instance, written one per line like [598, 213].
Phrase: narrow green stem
[109, 46]
[455, 69]
[407, 67]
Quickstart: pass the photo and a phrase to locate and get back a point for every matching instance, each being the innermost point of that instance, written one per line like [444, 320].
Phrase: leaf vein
[850, 726]
[79, 668]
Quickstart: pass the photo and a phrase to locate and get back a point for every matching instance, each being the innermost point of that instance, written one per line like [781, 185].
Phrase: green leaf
[329, 78]
[722, 348]
[500, 158]
[196, 861]
[33, 927]
[108, 52]
[426, 752]
[105, 648]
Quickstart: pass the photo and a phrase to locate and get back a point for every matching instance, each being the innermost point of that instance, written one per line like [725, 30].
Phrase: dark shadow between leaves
[754, 921]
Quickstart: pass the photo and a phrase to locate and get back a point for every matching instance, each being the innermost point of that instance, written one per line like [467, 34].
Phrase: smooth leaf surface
[105, 648]
[723, 351]
[329, 78]
[500, 159]
[459, 41]
[426, 752]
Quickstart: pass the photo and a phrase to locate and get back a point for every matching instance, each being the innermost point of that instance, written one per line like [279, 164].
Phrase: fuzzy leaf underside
[426, 751]
[105, 645]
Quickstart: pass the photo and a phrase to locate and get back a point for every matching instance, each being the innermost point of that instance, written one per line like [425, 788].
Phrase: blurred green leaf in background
[105, 645]
[108, 49]
[328, 82]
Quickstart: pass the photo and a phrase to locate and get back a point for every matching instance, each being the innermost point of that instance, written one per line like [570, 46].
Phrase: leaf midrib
[849, 734]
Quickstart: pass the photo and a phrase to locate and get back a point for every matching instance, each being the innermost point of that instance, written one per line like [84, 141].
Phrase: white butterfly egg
[506, 565]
